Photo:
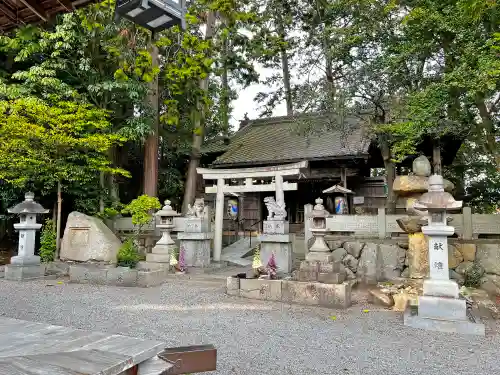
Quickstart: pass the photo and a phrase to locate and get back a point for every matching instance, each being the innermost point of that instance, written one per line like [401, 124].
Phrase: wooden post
[58, 224]
[307, 226]
[382, 223]
[467, 221]
[436, 159]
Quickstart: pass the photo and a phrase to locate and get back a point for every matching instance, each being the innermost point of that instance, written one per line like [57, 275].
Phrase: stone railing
[468, 227]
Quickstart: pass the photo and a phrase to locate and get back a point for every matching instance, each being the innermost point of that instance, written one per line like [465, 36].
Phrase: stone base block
[158, 258]
[331, 278]
[119, 276]
[306, 275]
[450, 326]
[441, 288]
[442, 308]
[30, 260]
[24, 272]
[149, 266]
[233, 286]
[196, 252]
[275, 227]
[291, 291]
[325, 257]
[261, 289]
[283, 253]
[146, 279]
[327, 295]
[57, 268]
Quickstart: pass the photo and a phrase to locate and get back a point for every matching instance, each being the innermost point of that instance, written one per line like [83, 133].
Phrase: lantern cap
[436, 199]
[28, 206]
[319, 210]
[167, 210]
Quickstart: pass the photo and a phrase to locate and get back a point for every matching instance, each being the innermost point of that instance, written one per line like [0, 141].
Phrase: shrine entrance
[247, 180]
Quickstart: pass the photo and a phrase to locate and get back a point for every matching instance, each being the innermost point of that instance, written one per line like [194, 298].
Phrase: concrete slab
[464, 327]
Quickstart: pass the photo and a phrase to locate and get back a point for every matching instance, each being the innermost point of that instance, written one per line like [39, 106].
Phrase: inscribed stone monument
[87, 238]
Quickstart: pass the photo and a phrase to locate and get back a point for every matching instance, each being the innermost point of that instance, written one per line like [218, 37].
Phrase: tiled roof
[287, 139]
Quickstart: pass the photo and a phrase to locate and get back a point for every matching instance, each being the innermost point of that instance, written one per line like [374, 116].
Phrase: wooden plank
[85, 361]
[36, 8]
[36, 348]
[250, 188]
[67, 4]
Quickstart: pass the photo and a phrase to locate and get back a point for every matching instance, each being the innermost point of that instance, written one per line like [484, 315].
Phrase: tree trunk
[198, 133]
[102, 183]
[58, 223]
[151, 145]
[436, 159]
[390, 173]
[225, 86]
[114, 191]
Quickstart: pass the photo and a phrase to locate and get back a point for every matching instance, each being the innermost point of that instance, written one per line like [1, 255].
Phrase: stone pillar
[195, 241]
[277, 239]
[26, 265]
[219, 220]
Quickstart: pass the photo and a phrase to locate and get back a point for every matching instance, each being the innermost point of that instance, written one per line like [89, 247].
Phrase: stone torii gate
[246, 175]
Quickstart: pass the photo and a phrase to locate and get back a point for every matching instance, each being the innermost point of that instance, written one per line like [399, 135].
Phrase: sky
[245, 102]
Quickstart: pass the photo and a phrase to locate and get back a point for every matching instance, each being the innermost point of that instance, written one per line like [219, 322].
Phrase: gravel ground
[255, 337]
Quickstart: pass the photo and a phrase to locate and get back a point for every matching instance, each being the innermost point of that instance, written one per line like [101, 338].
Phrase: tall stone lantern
[319, 251]
[26, 265]
[164, 247]
[440, 307]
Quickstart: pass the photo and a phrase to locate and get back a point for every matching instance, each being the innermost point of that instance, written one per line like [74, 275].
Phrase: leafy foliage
[140, 209]
[48, 241]
[128, 254]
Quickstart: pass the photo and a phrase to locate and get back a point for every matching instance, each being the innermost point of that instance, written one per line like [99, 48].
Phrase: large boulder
[408, 185]
[455, 257]
[370, 262]
[468, 251]
[491, 284]
[350, 262]
[354, 248]
[488, 257]
[86, 238]
[418, 256]
[338, 255]
[421, 166]
[393, 261]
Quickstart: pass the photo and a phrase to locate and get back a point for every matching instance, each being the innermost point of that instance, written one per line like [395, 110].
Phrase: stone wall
[370, 262]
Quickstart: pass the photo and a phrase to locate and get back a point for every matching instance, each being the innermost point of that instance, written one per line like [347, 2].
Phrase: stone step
[240, 252]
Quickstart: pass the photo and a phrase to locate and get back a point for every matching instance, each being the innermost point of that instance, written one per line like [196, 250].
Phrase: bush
[128, 255]
[473, 275]
[48, 242]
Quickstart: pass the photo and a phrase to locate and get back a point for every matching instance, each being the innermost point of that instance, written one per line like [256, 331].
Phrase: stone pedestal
[195, 240]
[276, 239]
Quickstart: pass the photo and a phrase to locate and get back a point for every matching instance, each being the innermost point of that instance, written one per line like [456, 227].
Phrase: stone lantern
[440, 307]
[163, 248]
[26, 265]
[319, 251]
